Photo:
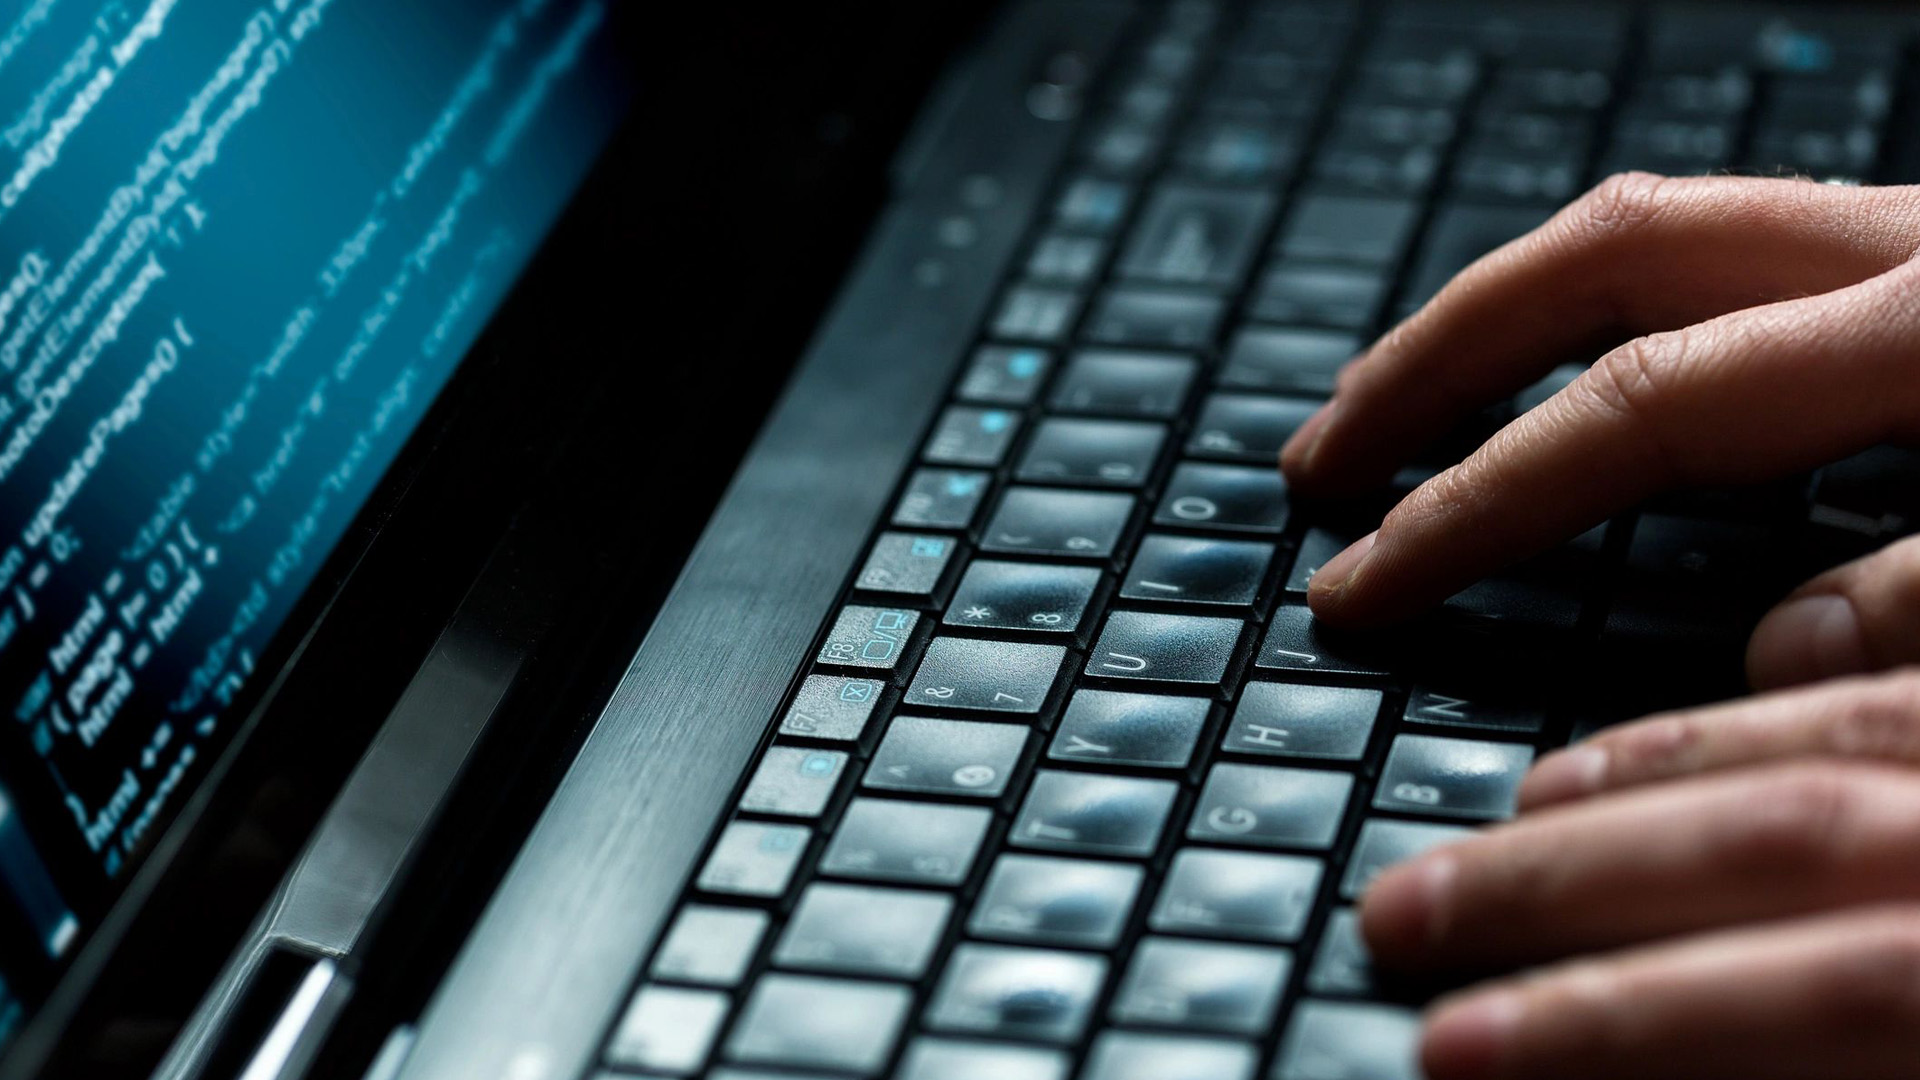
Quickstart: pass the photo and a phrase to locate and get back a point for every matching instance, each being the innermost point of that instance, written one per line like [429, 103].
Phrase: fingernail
[1467, 1038]
[1816, 637]
[1339, 571]
[1564, 777]
[1403, 912]
[1297, 455]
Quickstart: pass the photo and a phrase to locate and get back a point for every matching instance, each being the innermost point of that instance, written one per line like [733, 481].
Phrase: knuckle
[1630, 380]
[1621, 205]
[1881, 722]
[1795, 829]
[1656, 747]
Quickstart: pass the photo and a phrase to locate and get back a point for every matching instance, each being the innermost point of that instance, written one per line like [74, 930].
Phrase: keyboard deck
[1076, 787]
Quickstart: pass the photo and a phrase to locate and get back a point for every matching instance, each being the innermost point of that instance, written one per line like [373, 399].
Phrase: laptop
[552, 540]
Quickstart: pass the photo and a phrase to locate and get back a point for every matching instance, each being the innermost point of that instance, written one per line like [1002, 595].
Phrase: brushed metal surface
[544, 971]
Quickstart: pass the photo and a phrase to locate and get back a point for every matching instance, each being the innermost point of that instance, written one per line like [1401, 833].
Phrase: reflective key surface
[1237, 894]
[946, 757]
[1148, 730]
[1022, 993]
[1202, 986]
[1096, 815]
[1264, 806]
[1049, 901]
[912, 843]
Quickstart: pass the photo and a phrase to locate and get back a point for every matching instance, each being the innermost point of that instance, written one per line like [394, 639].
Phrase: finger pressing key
[1833, 996]
[1741, 846]
[1639, 254]
[1742, 397]
[1875, 718]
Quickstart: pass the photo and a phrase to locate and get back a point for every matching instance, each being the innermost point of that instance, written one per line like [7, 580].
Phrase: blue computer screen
[243, 244]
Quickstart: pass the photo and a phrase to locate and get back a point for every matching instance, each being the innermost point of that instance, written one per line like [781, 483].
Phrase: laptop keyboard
[1076, 787]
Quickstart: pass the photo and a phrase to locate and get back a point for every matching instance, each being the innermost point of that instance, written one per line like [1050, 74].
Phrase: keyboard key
[1496, 173]
[1153, 318]
[1237, 150]
[861, 930]
[754, 859]
[668, 1030]
[1287, 359]
[1366, 167]
[941, 499]
[1038, 521]
[1128, 1055]
[1093, 204]
[946, 1059]
[1237, 894]
[966, 435]
[1260, 806]
[1234, 498]
[832, 707]
[1468, 778]
[1307, 294]
[1165, 648]
[869, 637]
[1041, 313]
[1383, 843]
[1117, 453]
[991, 676]
[1458, 236]
[1146, 730]
[1688, 582]
[1330, 1040]
[1423, 72]
[1023, 596]
[1080, 813]
[710, 945]
[1293, 720]
[947, 757]
[905, 842]
[1190, 571]
[1349, 228]
[1202, 986]
[1009, 992]
[1046, 901]
[1003, 375]
[1295, 642]
[1432, 707]
[794, 781]
[1248, 427]
[1317, 549]
[1070, 260]
[906, 564]
[1197, 236]
[1548, 89]
[1147, 385]
[1342, 964]
[1541, 597]
[818, 1023]
[1122, 147]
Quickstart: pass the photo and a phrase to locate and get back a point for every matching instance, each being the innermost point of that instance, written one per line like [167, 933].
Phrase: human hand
[1741, 879]
[1769, 326]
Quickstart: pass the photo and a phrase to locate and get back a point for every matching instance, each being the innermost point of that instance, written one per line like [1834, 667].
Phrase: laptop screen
[243, 243]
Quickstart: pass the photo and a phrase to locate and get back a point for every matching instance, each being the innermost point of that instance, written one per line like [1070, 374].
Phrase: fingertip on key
[1299, 456]
[1331, 581]
[1466, 1037]
[1403, 912]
